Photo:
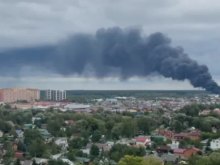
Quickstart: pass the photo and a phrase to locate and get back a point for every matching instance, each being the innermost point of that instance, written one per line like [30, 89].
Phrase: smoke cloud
[112, 51]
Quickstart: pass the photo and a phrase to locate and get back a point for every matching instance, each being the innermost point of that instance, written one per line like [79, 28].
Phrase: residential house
[101, 147]
[62, 142]
[189, 152]
[126, 141]
[1, 134]
[69, 122]
[179, 152]
[110, 143]
[166, 133]
[59, 156]
[45, 134]
[158, 137]
[180, 136]
[75, 135]
[205, 112]
[215, 144]
[163, 149]
[18, 154]
[35, 118]
[193, 135]
[82, 160]
[27, 162]
[205, 143]
[20, 133]
[214, 130]
[170, 158]
[40, 160]
[186, 153]
[174, 145]
[142, 141]
[28, 126]
[67, 161]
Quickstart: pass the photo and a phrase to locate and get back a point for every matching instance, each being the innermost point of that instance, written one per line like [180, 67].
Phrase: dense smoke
[113, 51]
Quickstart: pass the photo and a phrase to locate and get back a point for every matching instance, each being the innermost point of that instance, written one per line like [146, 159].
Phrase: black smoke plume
[125, 53]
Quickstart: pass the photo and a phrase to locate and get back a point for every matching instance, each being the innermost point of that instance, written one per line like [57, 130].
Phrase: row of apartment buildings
[9, 95]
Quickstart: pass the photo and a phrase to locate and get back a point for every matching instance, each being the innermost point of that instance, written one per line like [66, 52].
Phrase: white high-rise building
[55, 95]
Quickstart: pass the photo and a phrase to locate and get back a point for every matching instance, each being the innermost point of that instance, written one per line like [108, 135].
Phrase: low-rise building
[163, 149]
[142, 140]
[166, 133]
[174, 145]
[62, 142]
[215, 144]
[186, 153]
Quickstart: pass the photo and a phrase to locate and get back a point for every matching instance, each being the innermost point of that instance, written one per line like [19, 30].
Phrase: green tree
[34, 162]
[128, 127]
[7, 106]
[116, 131]
[4, 126]
[71, 155]
[17, 162]
[46, 154]
[143, 124]
[96, 136]
[76, 143]
[131, 160]
[151, 161]
[109, 125]
[31, 135]
[10, 150]
[94, 151]
[37, 148]
[21, 146]
[177, 126]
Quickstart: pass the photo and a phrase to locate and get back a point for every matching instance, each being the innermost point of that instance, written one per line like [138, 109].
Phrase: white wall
[215, 144]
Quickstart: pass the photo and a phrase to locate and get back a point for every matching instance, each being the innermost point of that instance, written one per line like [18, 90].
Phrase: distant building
[112, 100]
[9, 95]
[55, 95]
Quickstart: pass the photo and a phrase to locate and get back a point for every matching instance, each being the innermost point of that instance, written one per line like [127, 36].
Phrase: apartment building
[55, 95]
[9, 95]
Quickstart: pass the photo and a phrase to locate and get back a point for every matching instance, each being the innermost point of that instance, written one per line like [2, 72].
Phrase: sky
[194, 25]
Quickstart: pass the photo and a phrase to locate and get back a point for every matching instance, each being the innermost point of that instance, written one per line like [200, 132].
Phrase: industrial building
[55, 95]
[9, 95]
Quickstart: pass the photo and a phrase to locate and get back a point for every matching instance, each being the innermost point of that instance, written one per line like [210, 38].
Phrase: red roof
[141, 139]
[182, 134]
[196, 149]
[18, 154]
[179, 151]
[70, 122]
[165, 132]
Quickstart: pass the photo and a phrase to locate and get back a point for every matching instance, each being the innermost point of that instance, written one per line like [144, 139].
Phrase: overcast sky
[194, 25]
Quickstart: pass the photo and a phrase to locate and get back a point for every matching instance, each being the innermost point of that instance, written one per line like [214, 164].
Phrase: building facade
[9, 95]
[215, 144]
[55, 95]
